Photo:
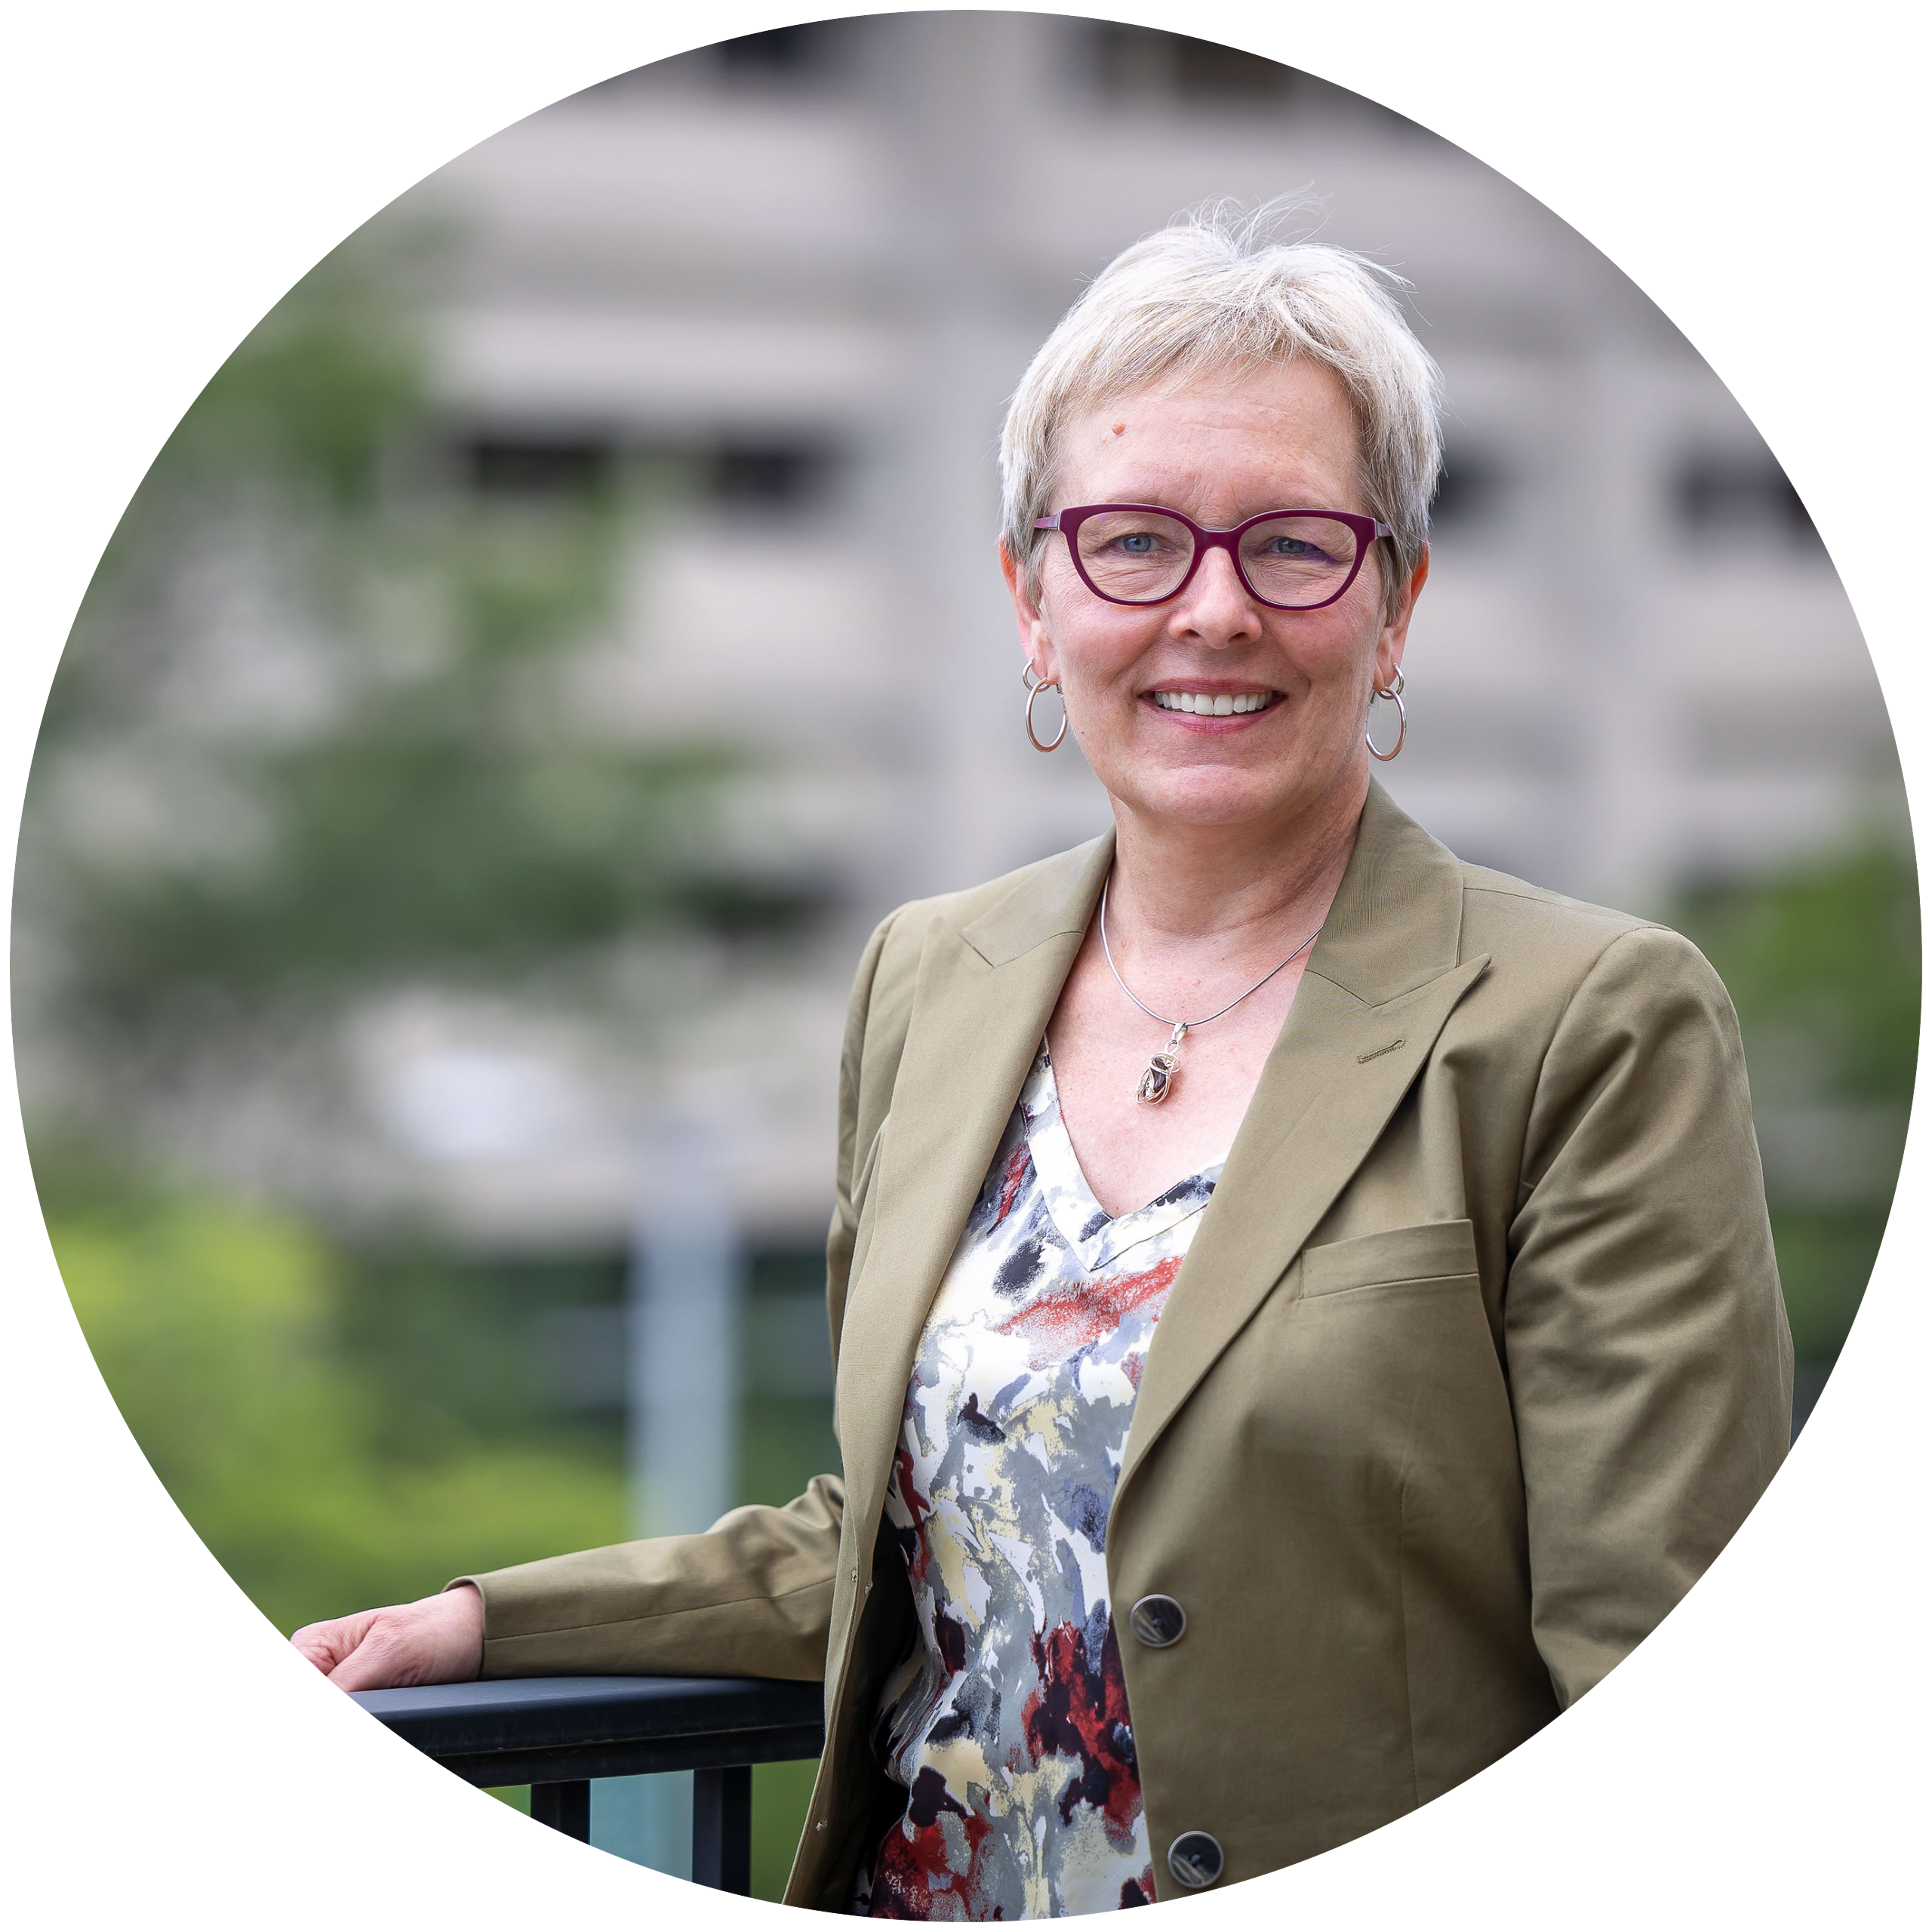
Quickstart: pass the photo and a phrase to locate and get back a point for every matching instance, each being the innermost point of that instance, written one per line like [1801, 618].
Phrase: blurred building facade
[801, 273]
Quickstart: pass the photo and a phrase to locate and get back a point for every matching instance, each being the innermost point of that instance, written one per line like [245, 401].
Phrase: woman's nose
[1216, 607]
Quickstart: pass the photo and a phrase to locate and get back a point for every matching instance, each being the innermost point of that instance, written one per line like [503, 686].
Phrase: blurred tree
[214, 1324]
[313, 736]
[315, 731]
[1823, 964]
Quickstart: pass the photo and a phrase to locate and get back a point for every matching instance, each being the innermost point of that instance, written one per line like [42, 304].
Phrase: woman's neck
[1238, 887]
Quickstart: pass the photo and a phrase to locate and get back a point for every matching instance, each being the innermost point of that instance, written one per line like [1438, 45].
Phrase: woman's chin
[1208, 800]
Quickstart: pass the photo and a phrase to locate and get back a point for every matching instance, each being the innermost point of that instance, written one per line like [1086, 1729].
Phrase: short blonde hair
[1216, 292]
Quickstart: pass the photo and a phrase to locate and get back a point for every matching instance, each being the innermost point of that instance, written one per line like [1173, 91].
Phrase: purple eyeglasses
[1141, 553]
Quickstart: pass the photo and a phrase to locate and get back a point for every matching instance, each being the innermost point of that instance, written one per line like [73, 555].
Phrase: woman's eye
[1137, 543]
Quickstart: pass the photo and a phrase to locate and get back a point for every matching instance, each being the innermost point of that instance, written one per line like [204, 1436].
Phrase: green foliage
[410, 843]
[345, 1430]
[319, 396]
[1825, 1258]
[781, 1795]
[216, 1325]
[452, 1346]
[1823, 963]
[431, 802]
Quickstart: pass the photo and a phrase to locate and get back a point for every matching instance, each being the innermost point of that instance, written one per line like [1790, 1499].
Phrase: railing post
[558, 1734]
[722, 1828]
[564, 1807]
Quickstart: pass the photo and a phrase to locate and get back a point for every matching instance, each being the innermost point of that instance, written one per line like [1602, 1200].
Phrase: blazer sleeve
[1648, 1354]
[749, 1597]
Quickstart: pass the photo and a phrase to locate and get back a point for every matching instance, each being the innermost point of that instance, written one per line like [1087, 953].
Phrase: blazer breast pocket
[1443, 1251]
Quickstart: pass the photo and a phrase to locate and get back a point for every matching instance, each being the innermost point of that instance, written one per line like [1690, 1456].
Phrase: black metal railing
[556, 1734]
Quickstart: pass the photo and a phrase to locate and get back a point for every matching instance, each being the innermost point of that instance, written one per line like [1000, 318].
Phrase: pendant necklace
[1158, 1080]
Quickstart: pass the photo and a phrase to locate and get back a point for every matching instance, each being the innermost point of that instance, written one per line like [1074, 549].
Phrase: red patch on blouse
[1013, 1179]
[919, 1558]
[1079, 1711]
[914, 1876]
[1058, 1325]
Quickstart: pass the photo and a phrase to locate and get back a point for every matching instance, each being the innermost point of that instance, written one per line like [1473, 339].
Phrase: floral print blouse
[1009, 1726]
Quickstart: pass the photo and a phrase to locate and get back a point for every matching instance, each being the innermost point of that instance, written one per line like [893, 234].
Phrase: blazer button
[1157, 1621]
[1195, 1860]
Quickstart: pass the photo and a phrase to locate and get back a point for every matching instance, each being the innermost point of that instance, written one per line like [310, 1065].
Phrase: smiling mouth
[1208, 704]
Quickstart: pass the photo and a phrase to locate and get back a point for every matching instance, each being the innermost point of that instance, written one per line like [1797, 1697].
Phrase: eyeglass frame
[1367, 530]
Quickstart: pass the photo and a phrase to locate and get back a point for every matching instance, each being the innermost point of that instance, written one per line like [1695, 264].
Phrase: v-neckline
[1098, 1237]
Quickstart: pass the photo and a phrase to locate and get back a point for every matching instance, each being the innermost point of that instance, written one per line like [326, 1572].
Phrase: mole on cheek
[1120, 428]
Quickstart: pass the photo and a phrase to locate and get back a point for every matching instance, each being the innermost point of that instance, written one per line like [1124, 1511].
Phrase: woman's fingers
[325, 1645]
[386, 1655]
[436, 1640]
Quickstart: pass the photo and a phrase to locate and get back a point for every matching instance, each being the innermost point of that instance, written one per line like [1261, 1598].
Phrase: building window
[731, 471]
[1732, 498]
[782, 54]
[1470, 492]
[539, 467]
[770, 474]
[1140, 63]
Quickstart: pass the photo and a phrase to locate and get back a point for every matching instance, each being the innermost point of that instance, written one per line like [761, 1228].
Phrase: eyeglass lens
[1140, 558]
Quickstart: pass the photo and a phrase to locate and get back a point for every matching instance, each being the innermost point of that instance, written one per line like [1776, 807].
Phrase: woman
[1304, 1307]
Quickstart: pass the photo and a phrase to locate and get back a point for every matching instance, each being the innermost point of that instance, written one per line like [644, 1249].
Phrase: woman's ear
[1395, 633]
[1033, 635]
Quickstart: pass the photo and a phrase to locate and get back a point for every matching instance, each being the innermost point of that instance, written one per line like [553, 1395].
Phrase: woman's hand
[436, 1640]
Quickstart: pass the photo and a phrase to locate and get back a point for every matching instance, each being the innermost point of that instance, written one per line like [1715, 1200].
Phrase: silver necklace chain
[1158, 1080]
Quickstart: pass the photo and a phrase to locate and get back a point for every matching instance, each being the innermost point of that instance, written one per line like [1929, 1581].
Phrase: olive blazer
[1476, 1361]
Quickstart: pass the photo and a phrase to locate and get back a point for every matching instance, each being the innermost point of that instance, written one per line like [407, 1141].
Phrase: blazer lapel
[1382, 981]
[980, 1008]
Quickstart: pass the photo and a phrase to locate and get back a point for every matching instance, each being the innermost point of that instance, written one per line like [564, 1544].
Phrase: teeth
[1202, 706]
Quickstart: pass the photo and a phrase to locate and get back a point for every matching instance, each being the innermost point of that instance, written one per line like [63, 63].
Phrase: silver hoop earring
[1033, 690]
[1393, 690]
